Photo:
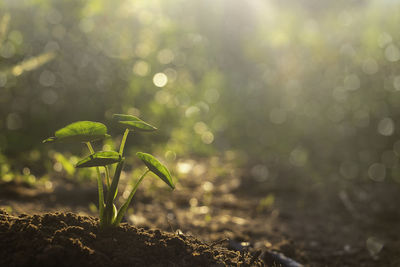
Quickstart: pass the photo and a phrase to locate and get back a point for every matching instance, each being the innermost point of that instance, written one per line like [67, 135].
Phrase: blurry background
[308, 86]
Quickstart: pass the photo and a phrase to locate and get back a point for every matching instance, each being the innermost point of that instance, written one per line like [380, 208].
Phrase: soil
[66, 239]
[283, 220]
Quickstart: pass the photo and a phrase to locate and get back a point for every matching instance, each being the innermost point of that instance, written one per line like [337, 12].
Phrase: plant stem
[124, 207]
[107, 176]
[121, 148]
[111, 194]
[99, 187]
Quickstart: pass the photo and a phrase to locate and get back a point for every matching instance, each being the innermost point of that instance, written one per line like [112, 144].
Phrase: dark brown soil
[312, 221]
[66, 239]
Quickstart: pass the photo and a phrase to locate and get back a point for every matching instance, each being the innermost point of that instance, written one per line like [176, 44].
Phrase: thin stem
[107, 176]
[108, 212]
[121, 148]
[99, 187]
[124, 207]
[137, 184]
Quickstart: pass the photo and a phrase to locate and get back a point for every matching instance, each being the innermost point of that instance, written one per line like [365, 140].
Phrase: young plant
[88, 131]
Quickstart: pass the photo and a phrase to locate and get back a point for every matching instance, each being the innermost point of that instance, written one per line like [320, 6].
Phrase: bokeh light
[160, 79]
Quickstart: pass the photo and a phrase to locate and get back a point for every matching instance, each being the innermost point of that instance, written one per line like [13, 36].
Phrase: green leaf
[81, 131]
[138, 125]
[156, 167]
[133, 123]
[101, 158]
[124, 117]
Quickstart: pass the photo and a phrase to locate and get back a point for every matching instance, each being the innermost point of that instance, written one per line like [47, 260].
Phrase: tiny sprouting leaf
[156, 167]
[49, 140]
[133, 123]
[101, 158]
[80, 131]
[114, 213]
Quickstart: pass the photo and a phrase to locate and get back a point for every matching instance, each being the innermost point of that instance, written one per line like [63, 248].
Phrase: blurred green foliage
[309, 84]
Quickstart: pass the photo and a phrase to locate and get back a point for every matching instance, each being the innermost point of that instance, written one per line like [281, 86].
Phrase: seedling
[89, 131]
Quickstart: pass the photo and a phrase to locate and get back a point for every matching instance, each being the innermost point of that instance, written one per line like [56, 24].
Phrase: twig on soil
[273, 257]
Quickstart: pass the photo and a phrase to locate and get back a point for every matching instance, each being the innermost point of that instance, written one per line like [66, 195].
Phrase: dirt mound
[66, 239]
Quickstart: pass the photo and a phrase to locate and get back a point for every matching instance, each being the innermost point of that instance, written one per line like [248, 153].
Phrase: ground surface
[313, 224]
[66, 239]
